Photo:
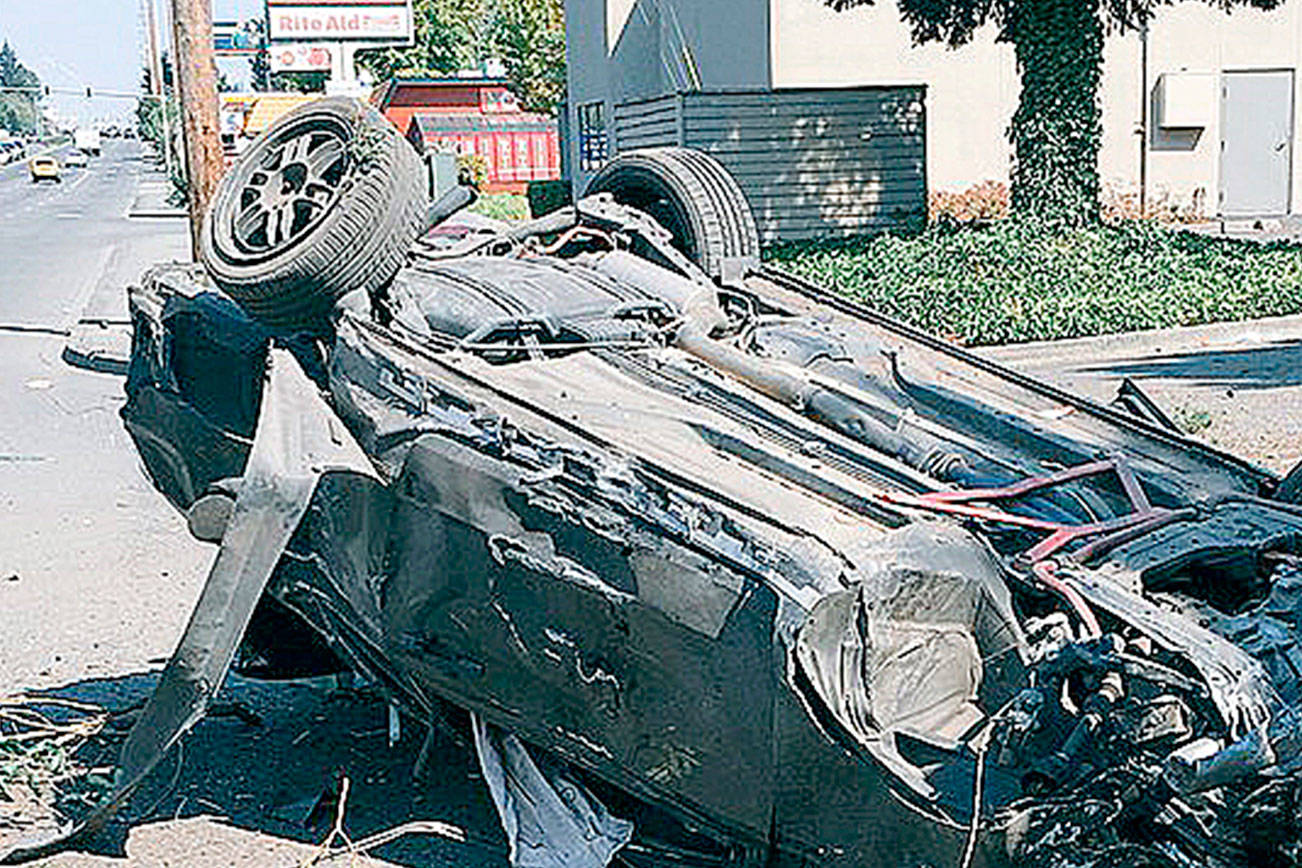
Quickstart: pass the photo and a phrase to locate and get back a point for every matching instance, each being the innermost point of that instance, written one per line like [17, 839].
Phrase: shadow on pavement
[1279, 364]
[275, 774]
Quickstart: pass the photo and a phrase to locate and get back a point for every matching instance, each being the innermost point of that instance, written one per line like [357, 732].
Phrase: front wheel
[327, 201]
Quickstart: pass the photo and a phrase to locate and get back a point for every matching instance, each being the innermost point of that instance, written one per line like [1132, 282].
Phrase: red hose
[1045, 571]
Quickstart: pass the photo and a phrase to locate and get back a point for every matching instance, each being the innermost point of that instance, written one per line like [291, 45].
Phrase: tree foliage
[1056, 130]
[529, 36]
[299, 82]
[451, 35]
[526, 36]
[18, 109]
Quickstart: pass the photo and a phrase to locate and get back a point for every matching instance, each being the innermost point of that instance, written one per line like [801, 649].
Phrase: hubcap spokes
[292, 187]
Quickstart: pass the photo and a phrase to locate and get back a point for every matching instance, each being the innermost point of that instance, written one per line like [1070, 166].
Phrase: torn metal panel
[928, 628]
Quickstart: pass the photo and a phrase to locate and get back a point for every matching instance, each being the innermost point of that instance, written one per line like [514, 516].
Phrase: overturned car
[816, 587]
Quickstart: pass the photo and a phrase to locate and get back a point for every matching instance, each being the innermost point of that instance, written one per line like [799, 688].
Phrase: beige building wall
[1199, 38]
[972, 91]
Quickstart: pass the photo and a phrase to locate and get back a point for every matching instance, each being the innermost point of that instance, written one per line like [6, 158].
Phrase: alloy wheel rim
[289, 189]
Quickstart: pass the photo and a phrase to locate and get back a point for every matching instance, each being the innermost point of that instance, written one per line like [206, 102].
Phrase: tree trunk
[1057, 127]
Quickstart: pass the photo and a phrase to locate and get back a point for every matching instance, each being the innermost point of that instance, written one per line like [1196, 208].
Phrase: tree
[450, 36]
[260, 62]
[1058, 44]
[150, 126]
[18, 109]
[529, 36]
[299, 82]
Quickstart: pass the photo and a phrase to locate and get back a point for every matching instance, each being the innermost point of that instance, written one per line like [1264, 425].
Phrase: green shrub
[1010, 281]
[502, 206]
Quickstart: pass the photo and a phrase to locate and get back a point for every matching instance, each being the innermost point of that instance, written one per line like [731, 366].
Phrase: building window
[593, 147]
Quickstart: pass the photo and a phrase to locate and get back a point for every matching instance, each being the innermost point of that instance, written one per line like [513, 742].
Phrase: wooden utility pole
[158, 87]
[195, 71]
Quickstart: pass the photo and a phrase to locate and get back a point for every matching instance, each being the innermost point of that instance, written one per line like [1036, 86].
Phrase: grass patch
[502, 206]
[1007, 282]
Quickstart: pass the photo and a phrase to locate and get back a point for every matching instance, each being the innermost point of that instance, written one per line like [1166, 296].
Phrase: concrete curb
[1156, 342]
[103, 346]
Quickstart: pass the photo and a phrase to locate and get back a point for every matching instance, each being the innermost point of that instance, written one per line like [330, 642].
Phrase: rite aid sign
[384, 21]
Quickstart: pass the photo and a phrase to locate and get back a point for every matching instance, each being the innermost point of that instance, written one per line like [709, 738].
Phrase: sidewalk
[99, 337]
[1237, 386]
[152, 197]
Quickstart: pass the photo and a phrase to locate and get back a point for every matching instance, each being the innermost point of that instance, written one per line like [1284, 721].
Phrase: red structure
[479, 116]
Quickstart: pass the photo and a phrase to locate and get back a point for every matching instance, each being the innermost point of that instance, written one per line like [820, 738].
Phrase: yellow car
[44, 168]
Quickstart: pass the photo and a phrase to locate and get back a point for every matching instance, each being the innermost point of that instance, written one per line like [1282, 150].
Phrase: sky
[75, 43]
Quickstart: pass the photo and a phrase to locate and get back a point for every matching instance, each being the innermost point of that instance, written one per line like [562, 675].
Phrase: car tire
[692, 195]
[353, 193]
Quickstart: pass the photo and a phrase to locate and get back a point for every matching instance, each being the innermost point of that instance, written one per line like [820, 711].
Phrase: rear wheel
[690, 194]
[327, 201]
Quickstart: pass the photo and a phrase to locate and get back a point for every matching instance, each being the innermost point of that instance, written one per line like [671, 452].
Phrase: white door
[1256, 142]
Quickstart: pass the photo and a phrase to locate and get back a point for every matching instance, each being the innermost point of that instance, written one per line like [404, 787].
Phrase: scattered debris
[1192, 420]
[327, 851]
[45, 781]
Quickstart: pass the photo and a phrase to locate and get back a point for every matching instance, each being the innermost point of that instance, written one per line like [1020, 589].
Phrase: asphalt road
[98, 575]
[83, 529]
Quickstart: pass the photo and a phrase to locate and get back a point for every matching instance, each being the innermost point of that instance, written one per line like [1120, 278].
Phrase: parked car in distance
[76, 159]
[12, 150]
[44, 168]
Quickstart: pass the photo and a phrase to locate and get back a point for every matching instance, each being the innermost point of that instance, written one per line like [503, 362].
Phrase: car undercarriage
[807, 585]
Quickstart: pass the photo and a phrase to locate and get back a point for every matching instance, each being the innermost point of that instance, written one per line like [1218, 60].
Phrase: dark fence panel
[813, 162]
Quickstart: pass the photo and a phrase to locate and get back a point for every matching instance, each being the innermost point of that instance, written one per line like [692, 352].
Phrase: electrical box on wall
[1186, 100]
